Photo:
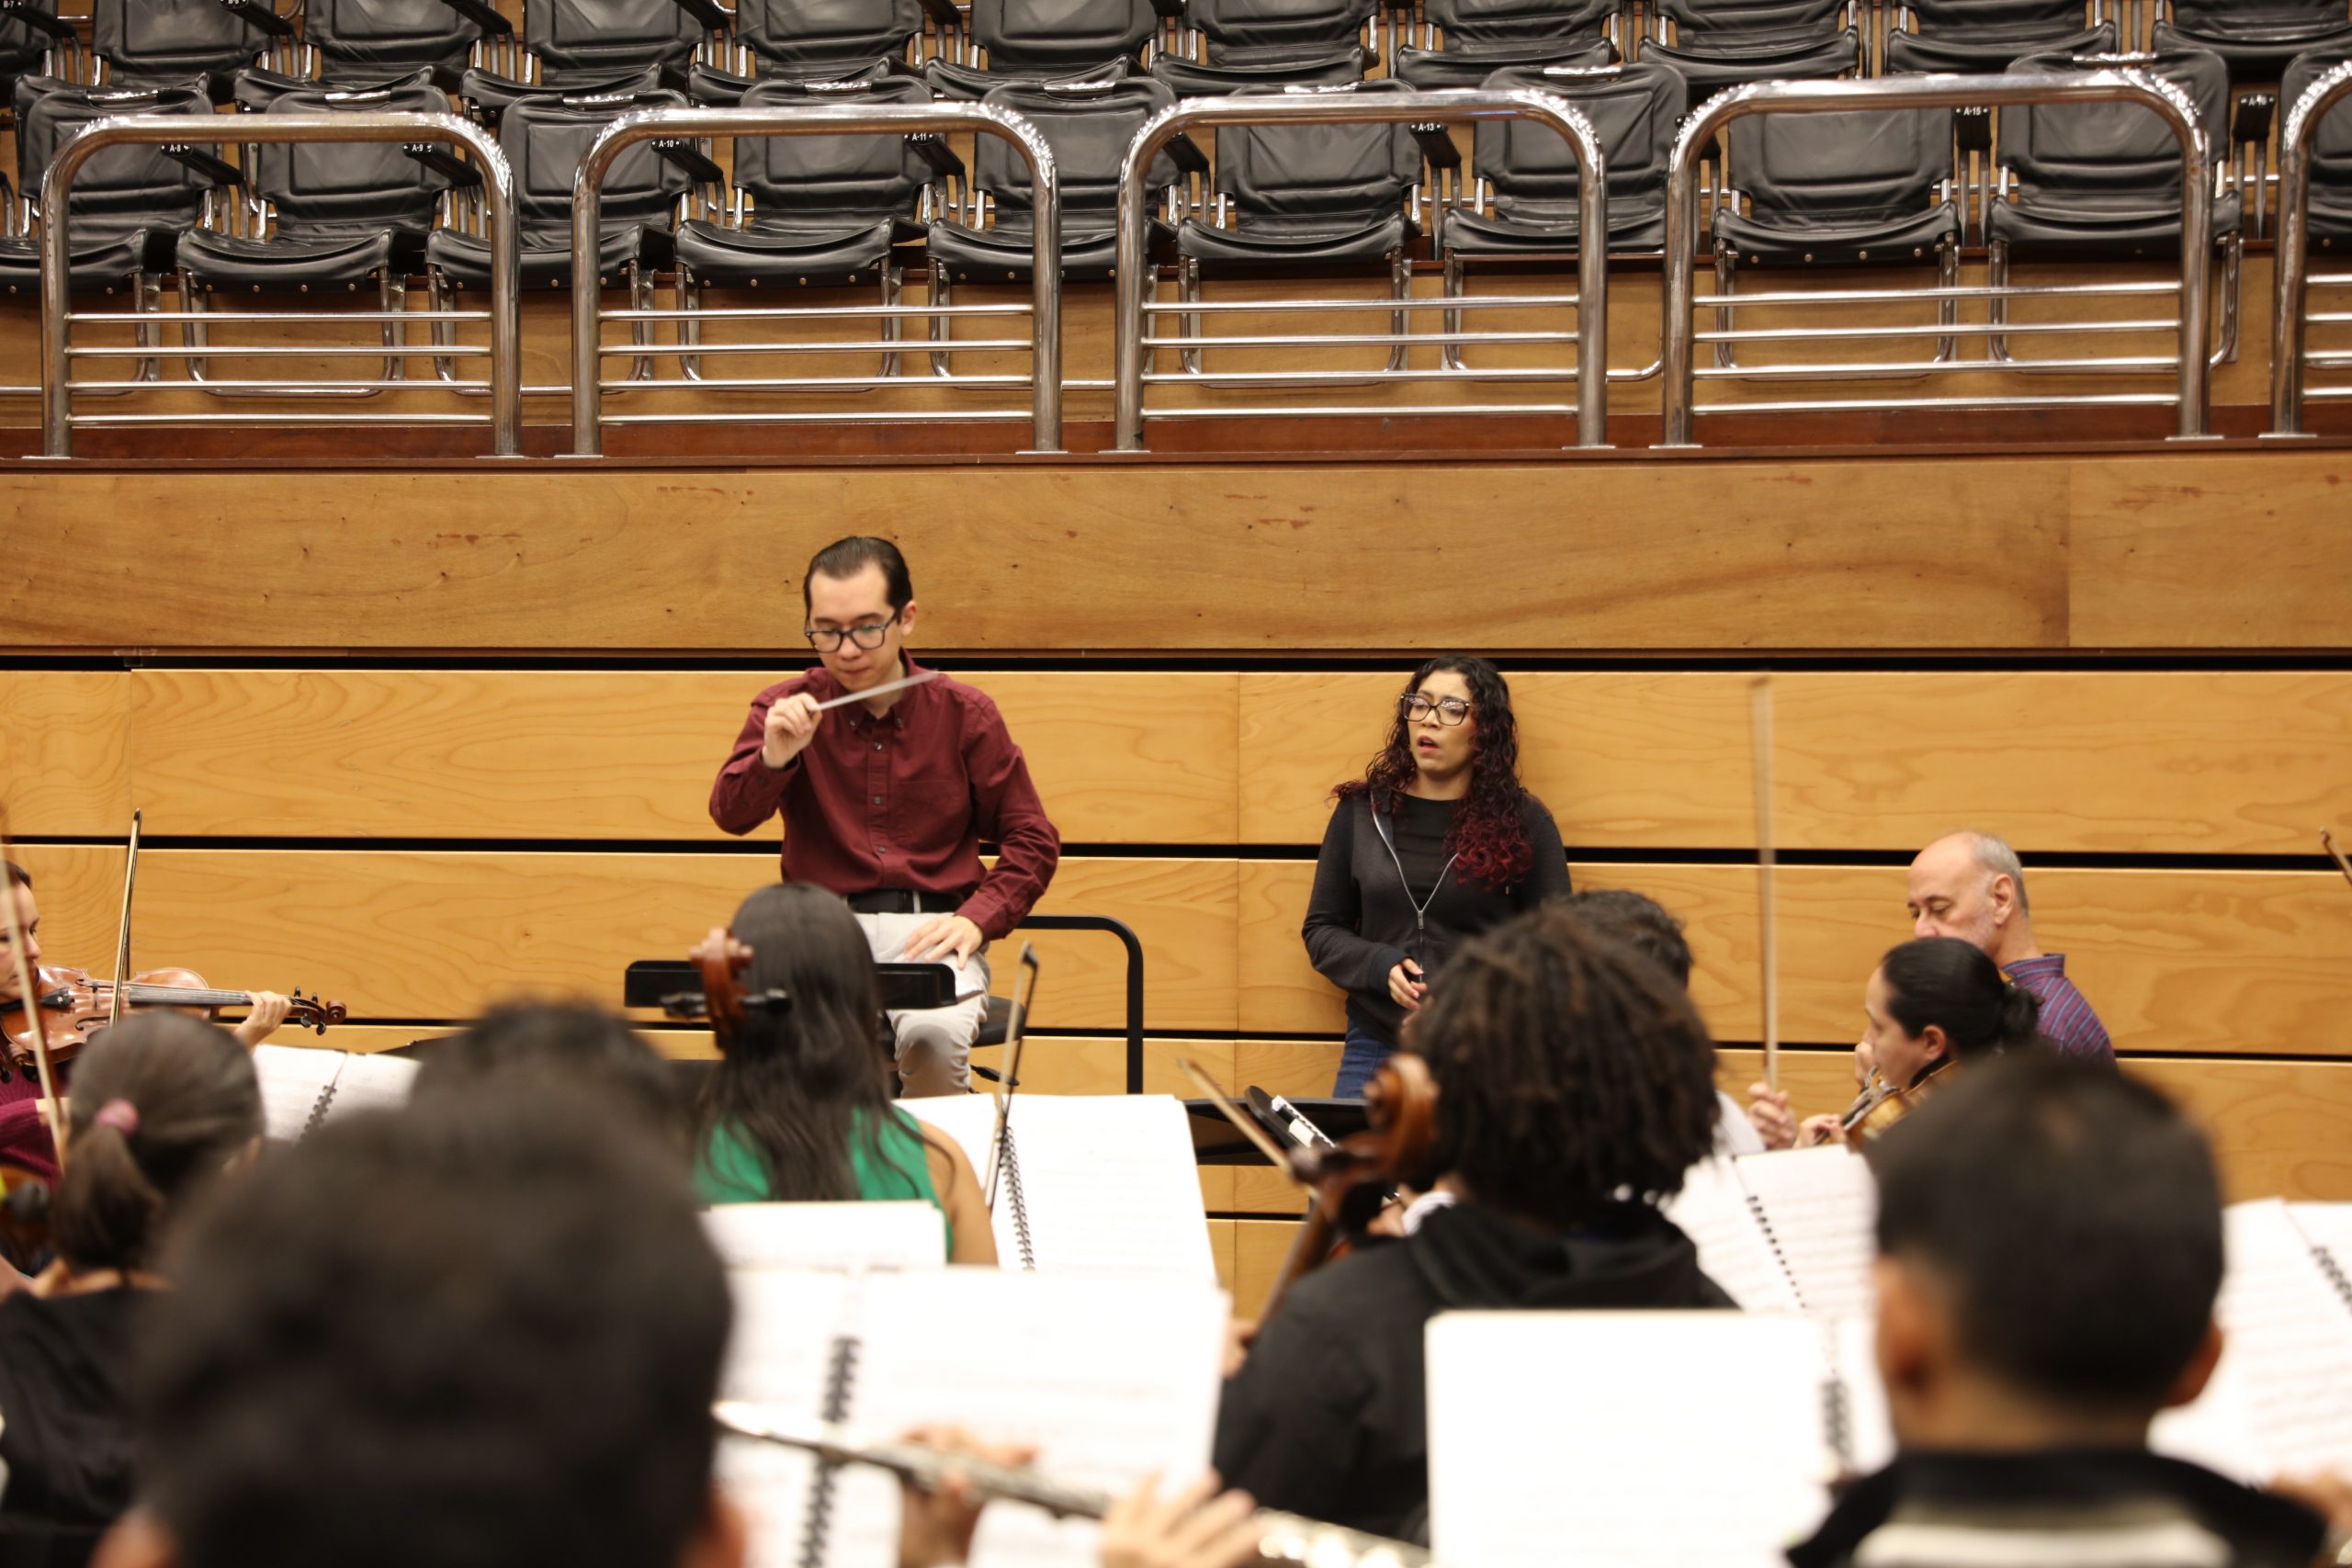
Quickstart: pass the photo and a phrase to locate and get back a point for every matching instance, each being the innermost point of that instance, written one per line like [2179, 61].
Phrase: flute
[1283, 1537]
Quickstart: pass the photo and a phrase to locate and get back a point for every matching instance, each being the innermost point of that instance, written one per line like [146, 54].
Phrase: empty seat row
[806, 210]
[1222, 45]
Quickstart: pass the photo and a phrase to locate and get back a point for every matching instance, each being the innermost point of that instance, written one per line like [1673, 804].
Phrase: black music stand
[675, 987]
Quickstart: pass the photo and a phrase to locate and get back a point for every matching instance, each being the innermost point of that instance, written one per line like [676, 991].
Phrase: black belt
[906, 901]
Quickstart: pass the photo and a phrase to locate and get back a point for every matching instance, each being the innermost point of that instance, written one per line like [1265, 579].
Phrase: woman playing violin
[166, 1104]
[1575, 1086]
[24, 1140]
[1931, 1005]
[800, 1108]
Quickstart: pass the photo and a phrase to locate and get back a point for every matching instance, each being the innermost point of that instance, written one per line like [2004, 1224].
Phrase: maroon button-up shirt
[899, 802]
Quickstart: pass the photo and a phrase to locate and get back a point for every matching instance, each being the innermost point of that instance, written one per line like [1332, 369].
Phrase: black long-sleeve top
[1360, 920]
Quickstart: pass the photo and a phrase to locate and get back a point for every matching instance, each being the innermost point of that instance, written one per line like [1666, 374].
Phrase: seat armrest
[934, 150]
[38, 20]
[1973, 129]
[255, 14]
[481, 14]
[686, 154]
[1186, 154]
[442, 161]
[206, 163]
[709, 12]
[2256, 113]
[1438, 147]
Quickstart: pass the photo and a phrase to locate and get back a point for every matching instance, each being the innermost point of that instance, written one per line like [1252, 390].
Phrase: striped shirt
[2067, 1020]
[2058, 1509]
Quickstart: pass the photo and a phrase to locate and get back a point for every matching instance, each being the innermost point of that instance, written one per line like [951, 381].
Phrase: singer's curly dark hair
[1569, 1070]
[1490, 834]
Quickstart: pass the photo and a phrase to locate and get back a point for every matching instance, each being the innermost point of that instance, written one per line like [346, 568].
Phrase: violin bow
[122, 943]
[30, 1000]
[1760, 719]
[1242, 1120]
[2327, 842]
[1025, 992]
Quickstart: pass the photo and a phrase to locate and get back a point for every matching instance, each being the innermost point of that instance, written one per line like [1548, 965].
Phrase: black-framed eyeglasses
[1450, 711]
[826, 640]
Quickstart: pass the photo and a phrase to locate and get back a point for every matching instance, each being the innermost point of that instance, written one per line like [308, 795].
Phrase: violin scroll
[722, 958]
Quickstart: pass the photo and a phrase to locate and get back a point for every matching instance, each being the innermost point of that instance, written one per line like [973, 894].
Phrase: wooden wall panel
[2210, 762]
[78, 890]
[617, 754]
[428, 935]
[2227, 963]
[2279, 1128]
[2163, 554]
[62, 752]
[2171, 762]
[1258, 1248]
[1046, 555]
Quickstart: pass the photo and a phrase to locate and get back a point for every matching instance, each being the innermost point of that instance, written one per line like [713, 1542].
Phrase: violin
[76, 1005]
[1350, 1179]
[1880, 1105]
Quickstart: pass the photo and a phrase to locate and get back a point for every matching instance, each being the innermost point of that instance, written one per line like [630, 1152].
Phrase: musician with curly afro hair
[1575, 1087]
[1438, 842]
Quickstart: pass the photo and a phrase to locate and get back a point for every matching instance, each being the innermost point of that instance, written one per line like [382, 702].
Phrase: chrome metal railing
[1135, 272]
[2291, 358]
[2103, 86]
[57, 318]
[588, 315]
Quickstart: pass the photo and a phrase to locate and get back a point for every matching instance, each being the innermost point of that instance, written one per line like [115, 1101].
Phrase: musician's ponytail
[162, 1103]
[2020, 1016]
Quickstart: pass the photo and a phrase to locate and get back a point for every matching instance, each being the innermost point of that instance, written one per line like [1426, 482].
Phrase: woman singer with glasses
[1436, 842]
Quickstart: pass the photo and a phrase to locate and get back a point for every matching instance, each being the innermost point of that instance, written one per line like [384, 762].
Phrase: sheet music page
[1108, 1181]
[2286, 1356]
[292, 1079]
[827, 1235]
[1688, 1437]
[1820, 1205]
[371, 1083]
[1869, 1431]
[781, 1356]
[1109, 1379]
[1714, 1213]
[2328, 1226]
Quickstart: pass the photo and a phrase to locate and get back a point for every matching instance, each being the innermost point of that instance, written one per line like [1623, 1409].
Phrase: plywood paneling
[2203, 552]
[62, 752]
[2215, 962]
[1074, 557]
[613, 754]
[2204, 762]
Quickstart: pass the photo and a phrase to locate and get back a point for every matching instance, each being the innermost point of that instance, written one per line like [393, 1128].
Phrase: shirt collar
[2048, 963]
[862, 721]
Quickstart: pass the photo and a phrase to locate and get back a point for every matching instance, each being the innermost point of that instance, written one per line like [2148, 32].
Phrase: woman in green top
[799, 1108]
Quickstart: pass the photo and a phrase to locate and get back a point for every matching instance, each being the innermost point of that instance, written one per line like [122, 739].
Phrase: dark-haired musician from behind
[2048, 1253]
[885, 802]
[164, 1106]
[799, 1110]
[1575, 1086]
[1436, 842]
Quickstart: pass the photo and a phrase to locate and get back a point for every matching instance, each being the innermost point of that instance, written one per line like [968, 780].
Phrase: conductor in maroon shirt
[885, 802]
